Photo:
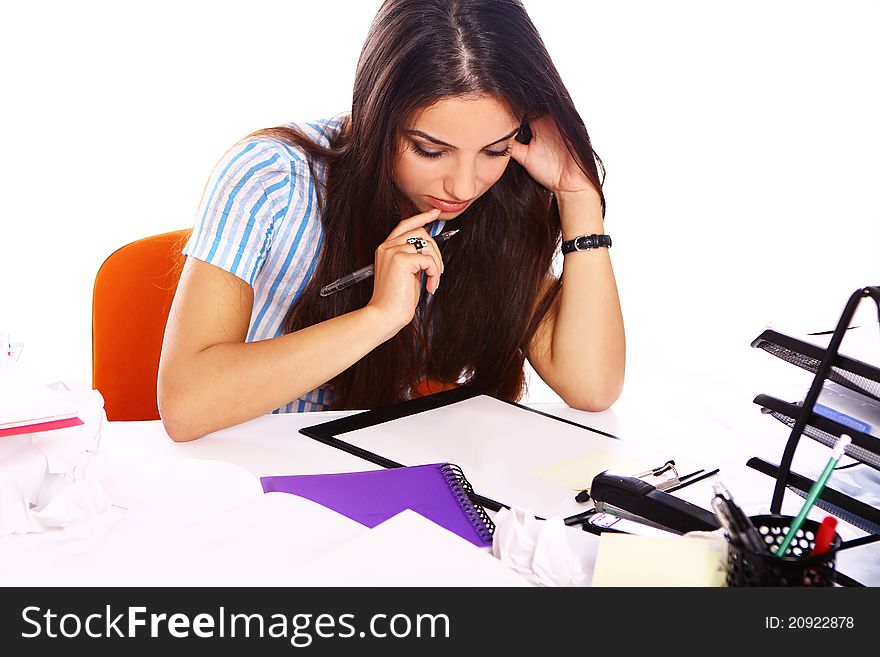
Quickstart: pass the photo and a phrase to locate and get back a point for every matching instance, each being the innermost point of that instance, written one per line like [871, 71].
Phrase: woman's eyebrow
[434, 140]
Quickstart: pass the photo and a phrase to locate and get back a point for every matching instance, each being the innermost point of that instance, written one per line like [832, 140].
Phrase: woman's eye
[435, 154]
[503, 153]
[423, 153]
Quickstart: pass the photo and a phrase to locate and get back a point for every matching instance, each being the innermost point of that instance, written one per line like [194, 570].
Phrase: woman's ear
[524, 136]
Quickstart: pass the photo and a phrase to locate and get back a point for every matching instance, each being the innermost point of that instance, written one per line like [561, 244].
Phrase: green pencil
[813, 495]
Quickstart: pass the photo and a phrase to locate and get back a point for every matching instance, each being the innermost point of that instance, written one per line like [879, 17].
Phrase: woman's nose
[461, 182]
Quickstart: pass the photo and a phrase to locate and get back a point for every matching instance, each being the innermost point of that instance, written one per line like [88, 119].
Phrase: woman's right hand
[398, 267]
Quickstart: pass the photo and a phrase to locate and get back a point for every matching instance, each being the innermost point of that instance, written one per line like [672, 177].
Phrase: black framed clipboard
[329, 432]
[560, 433]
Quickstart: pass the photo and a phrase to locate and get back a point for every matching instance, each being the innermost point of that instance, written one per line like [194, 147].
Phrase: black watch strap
[584, 242]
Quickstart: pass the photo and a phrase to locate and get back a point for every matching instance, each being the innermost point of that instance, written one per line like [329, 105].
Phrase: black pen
[735, 521]
[366, 272]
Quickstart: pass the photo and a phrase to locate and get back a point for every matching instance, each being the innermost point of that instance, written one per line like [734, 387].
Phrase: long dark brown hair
[477, 329]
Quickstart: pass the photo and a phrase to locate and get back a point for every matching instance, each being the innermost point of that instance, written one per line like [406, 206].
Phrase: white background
[741, 142]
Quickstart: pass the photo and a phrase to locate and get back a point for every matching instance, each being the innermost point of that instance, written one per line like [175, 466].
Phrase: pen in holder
[798, 567]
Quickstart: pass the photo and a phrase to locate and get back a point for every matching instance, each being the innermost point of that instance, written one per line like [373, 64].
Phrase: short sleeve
[250, 190]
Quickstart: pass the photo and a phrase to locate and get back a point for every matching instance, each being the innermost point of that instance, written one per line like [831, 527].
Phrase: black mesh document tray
[848, 372]
[864, 447]
[825, 364]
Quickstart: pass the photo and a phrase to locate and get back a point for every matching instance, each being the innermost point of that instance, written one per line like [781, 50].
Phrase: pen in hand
[366, 272]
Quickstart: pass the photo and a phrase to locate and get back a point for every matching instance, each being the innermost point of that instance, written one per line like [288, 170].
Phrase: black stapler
[613, 492]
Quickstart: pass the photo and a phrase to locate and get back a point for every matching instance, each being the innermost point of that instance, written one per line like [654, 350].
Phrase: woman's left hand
[548, 161]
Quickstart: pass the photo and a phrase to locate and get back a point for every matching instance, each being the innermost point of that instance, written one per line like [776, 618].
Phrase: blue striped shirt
[259, 220]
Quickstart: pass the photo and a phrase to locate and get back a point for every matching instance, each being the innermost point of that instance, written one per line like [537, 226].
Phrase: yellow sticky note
[630, 560]
[577, 473]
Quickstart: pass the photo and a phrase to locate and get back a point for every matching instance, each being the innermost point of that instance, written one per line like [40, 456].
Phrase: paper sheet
[497, 445]
[263, 542]
[409, 550]
[629, 560]
[25, 401]
[577, 473]
[175, 522]
[177, 491]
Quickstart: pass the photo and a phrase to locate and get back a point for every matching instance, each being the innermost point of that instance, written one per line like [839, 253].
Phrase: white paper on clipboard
[499, 446]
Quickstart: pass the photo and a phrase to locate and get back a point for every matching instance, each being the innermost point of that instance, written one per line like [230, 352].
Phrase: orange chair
[133, 291]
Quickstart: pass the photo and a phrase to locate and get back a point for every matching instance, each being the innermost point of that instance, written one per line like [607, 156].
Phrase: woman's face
[452, 152]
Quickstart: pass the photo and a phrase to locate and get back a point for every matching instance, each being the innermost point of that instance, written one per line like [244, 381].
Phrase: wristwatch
[584, 242]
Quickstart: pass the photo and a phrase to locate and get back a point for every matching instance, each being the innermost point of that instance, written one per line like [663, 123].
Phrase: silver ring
[419, 242]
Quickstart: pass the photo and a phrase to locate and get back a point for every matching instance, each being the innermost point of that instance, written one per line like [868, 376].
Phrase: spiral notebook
[438, 491]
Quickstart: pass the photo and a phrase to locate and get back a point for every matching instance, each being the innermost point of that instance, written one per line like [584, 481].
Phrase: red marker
[824, 536]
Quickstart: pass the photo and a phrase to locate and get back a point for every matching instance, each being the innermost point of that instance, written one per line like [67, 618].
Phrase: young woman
[459, 120]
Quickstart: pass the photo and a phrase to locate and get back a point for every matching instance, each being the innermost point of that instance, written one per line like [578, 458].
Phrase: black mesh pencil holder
[797, 568]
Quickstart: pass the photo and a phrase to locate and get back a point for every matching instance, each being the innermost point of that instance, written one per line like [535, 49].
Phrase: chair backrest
[133, 291]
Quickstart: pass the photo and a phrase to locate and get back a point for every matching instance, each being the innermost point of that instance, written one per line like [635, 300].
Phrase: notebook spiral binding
[463, 491]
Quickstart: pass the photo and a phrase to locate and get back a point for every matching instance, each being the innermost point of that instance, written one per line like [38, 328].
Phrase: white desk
[716, 424]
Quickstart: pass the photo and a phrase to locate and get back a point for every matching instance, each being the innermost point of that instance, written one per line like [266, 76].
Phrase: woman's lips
[447, 206]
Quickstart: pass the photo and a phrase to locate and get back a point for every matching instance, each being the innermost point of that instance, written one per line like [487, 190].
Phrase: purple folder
[438, 491]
